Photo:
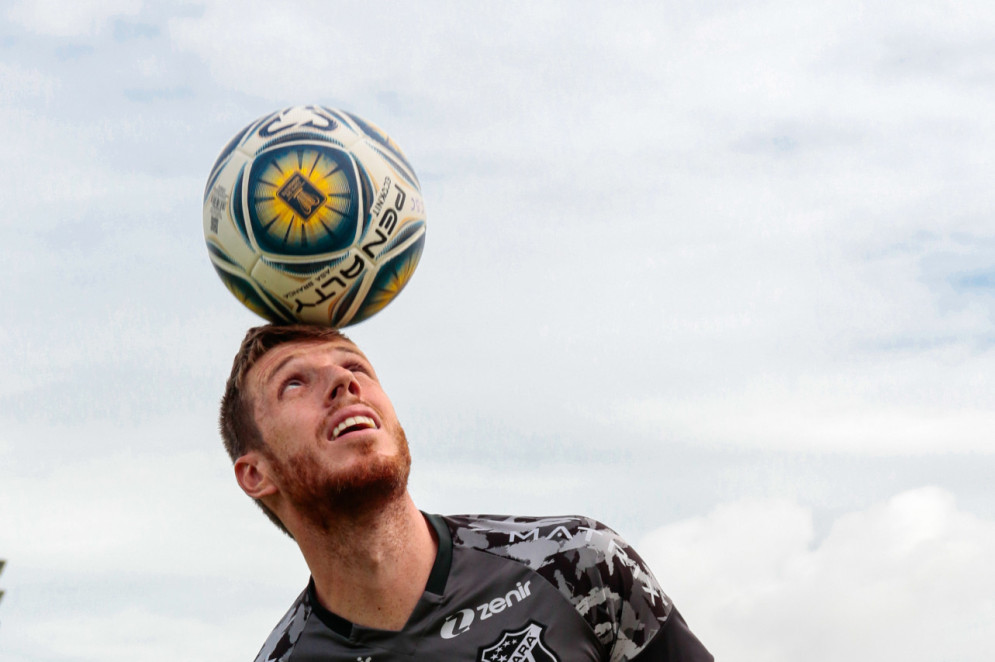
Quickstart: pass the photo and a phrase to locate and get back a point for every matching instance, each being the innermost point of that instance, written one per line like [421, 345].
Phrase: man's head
[308, 426]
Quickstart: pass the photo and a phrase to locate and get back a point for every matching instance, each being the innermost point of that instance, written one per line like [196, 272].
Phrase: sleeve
[279, 646]
[674, 643]
[644, 622]
[612, 588]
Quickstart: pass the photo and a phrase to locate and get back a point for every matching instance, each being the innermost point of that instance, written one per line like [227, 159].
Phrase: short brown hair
[237, 421]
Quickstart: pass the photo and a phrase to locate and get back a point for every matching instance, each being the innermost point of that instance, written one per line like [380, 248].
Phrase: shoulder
[280, 644]
[587, 562]
[529, 539]
[573, 545]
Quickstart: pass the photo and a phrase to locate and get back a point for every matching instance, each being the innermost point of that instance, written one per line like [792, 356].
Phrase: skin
[344, 499]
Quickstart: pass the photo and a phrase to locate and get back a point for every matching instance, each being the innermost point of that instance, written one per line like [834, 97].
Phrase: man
[315, 441]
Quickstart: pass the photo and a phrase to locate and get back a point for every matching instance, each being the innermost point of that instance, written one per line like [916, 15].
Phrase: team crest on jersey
[523, 645]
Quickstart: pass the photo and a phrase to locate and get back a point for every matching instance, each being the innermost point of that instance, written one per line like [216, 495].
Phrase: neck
[371, 568]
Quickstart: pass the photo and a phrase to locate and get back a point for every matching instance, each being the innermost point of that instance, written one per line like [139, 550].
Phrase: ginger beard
[324, 497]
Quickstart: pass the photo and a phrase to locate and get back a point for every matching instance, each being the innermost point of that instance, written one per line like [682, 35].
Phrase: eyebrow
[279, 366]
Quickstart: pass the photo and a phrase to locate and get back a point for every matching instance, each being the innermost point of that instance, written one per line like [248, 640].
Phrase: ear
[252, 472]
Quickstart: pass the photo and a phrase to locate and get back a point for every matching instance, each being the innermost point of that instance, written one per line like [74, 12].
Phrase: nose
[343, 382]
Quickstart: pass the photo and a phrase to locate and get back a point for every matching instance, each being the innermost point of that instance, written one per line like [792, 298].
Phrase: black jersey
[509, 589]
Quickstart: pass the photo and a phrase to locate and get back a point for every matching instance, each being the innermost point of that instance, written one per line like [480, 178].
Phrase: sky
[721, 275]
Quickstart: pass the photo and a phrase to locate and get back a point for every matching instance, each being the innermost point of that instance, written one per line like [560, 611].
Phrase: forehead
[290, 353]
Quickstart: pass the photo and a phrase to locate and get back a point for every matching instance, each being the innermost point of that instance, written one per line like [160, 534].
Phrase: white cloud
[59, 18]
[138, 633]
[142, 551]
[907, 579]
[896, 403]
[23, 85]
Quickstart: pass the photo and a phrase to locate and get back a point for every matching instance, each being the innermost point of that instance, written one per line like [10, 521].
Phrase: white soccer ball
[313, 214]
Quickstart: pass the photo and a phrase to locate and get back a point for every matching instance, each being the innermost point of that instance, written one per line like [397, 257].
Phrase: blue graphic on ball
[303, 200]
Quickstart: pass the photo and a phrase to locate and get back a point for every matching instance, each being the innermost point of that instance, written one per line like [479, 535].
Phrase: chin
[323, 495]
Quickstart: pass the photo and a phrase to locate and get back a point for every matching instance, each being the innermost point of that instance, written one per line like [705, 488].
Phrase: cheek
[277, 430]
[383, 403]
[374, 394]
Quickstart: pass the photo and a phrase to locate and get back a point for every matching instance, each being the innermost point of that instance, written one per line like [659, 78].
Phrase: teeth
[353, 421]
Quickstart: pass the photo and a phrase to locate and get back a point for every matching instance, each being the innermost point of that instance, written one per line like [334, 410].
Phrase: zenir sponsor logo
[457, 624]
[460, 622]
[525, 645]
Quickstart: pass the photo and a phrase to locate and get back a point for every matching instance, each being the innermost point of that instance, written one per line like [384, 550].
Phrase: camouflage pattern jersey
[509, 589]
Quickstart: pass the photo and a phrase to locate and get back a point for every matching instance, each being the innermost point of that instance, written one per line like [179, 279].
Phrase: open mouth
[353, 424]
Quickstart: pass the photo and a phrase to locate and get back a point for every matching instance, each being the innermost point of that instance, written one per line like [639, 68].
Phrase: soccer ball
[313, 214]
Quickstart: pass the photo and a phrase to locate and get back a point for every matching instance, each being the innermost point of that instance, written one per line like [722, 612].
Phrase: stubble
[325, 498]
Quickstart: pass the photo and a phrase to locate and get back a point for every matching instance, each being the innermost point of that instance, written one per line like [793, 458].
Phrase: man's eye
[291, 384]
